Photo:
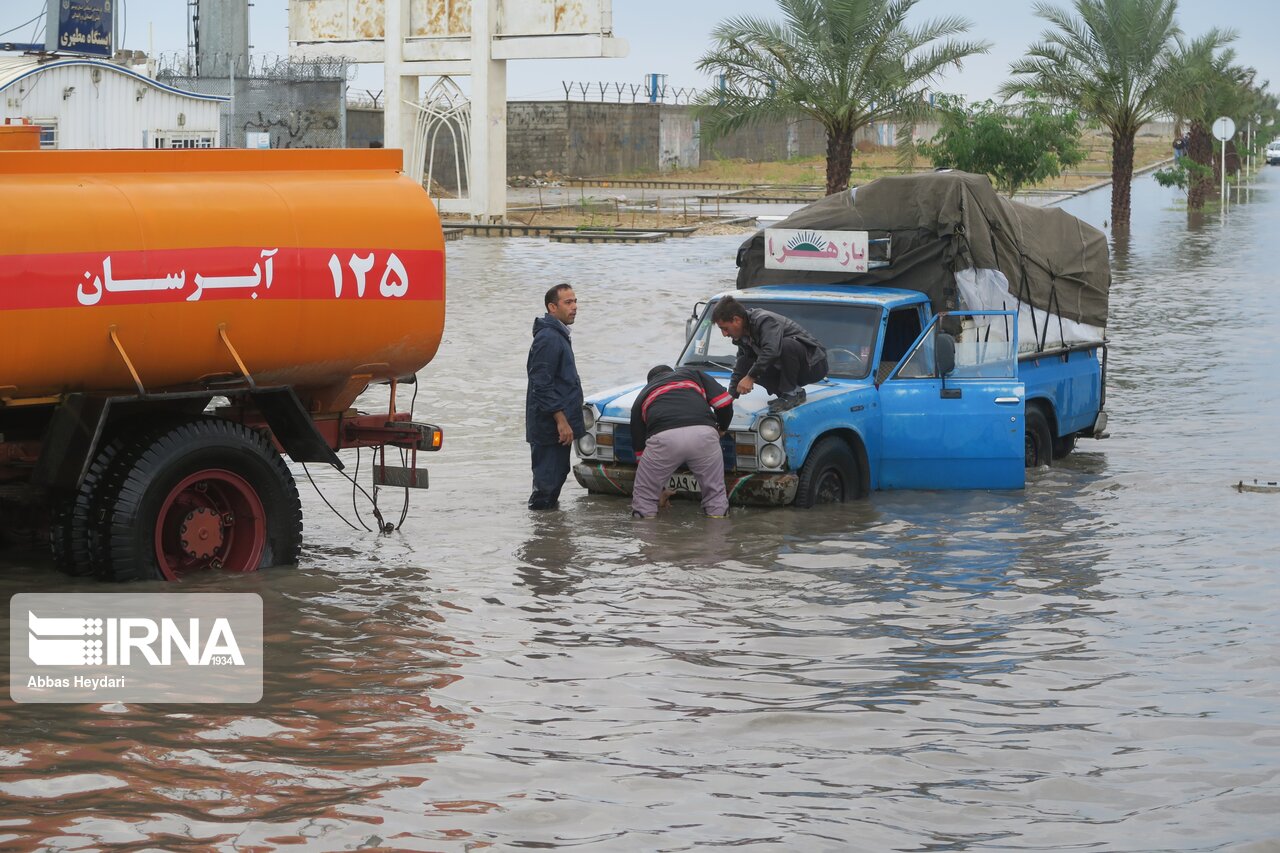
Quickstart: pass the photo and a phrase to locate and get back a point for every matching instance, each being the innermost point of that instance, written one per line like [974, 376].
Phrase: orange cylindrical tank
[315, 267]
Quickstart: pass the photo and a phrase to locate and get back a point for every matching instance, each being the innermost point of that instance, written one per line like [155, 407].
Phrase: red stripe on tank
[163, 276]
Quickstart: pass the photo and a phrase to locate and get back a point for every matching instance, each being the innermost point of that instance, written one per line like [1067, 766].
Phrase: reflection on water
[1090, 662]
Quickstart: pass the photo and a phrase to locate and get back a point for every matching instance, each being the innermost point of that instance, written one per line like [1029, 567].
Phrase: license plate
[683, 482]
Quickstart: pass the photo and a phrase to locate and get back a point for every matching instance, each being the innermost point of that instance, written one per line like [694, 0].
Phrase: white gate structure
[444, 109]
[438, 38]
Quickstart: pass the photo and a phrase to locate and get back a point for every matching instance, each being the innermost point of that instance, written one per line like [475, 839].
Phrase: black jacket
[760, 346]
[684, 397]
[554, 385]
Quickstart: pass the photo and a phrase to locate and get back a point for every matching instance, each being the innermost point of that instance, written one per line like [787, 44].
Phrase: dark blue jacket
[554, 385]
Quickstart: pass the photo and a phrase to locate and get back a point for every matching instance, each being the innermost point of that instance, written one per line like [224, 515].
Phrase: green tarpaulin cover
[942, 223]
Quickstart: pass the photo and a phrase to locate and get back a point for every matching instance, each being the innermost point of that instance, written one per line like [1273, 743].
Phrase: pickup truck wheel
[1038, 440]
[1063, 446]
[829, 475]
[206, 494]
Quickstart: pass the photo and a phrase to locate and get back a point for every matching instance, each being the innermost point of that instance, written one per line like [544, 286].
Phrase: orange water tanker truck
[171, 322]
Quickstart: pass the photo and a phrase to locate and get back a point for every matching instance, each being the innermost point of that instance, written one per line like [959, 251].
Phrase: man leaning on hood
[553, 402]
[773, 350]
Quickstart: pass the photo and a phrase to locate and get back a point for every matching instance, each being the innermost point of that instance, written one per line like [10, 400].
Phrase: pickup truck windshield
[847, 331]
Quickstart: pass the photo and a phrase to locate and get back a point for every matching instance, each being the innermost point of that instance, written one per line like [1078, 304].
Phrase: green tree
[1013, 147]
[1201, 84]
[1186, 174]
[1107, 61]
[1264, 111]
[843, 63]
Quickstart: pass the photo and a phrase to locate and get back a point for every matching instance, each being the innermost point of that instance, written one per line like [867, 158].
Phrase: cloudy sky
[668, 36]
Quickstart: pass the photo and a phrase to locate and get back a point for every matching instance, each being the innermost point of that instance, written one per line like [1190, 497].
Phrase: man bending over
[677, 419]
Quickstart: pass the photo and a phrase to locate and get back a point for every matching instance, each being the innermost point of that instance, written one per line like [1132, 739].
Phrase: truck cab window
[901, 331]
[977, 355]
[920, 364]
[847, 331]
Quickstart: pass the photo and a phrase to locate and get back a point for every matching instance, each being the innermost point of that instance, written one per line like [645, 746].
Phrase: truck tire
[1062, 447]
[1038, 442]
[204, 494]
[77, 533]
[829, 475]
[76, 515]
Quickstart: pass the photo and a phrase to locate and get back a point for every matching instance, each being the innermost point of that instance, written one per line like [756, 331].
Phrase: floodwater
[1091, 663]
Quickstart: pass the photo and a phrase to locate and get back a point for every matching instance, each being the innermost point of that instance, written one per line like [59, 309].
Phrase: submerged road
[1090, 663]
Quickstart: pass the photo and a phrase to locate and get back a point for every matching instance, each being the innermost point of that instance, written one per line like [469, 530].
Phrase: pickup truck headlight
[587, 445]
[589, 416]
[771, 456]
[770, 429]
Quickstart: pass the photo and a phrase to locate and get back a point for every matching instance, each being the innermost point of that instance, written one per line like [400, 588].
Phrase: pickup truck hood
[615, 403]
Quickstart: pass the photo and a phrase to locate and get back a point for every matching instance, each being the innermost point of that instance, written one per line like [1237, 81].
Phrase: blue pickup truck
[920, 394]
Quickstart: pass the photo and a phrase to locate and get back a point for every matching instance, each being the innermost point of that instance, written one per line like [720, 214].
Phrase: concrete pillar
[488, 117]
[398, 119]
[224, 37]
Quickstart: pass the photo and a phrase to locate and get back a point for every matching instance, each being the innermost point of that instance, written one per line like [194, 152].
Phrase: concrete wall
[677, 139]
[537, 136]
[364, 125]
[609, 138]
[769, 141]
[295, 113]
[584, 139]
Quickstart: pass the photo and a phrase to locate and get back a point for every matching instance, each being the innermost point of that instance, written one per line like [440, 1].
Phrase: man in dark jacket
[553, 402]
[773, 350]
[677, 419]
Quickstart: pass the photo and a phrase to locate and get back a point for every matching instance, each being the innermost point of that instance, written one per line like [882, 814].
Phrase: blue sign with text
[80, 26]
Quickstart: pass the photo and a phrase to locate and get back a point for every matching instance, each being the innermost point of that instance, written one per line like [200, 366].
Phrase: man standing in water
[553, 401]
[773, 350]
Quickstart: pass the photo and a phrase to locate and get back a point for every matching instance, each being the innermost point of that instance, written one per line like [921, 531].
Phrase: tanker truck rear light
[432, 437]
[374, 431]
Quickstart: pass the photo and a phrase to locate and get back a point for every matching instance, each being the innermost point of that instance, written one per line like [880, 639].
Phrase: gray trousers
[695, 446]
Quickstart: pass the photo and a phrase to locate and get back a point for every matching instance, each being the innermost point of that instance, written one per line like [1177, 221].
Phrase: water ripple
[1090, 663]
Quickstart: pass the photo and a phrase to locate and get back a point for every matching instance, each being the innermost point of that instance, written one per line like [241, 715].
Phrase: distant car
[1273, 153]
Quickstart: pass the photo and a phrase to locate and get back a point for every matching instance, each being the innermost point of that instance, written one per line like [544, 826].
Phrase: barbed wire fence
[265, 66]
[628, 93]
[366, 99]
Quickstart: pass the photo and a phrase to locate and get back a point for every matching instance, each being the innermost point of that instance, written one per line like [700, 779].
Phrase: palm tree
[1201, 85]
[1109, 64]
[843, 63]
[1264, 110]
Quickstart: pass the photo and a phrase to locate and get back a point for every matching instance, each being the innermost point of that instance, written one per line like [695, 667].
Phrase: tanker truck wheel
[75, 516]
[205, 494]
[79, 524]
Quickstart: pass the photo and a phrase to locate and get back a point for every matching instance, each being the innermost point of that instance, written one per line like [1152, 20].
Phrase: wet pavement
[1089, 663]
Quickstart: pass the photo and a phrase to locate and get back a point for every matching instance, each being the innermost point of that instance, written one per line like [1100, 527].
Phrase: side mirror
[691, 322]
[944, 354]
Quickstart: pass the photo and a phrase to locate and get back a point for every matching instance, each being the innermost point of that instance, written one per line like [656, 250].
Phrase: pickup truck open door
[953, 410]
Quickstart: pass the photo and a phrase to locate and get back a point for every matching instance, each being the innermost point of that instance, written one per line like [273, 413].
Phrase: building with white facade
[89, 103]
